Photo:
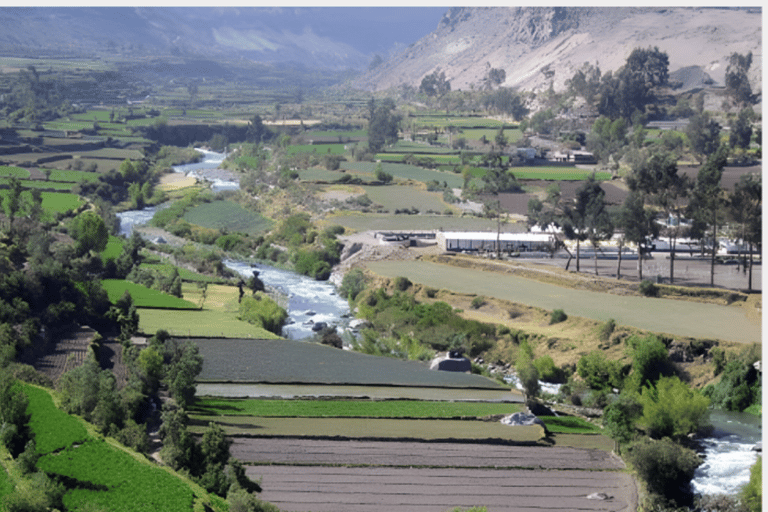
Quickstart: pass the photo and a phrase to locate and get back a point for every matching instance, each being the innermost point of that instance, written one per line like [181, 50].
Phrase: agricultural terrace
[142, 296]
[105, 475]
[113, 249]
[53, 202]
[406, 172]
[218, 315]
[382, 221]
[281, 361]
[13, 172]
[229, 216]
[680, 318]
[318, 149]
[396, 197]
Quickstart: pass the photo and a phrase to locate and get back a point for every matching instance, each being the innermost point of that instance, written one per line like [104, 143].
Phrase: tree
[746, 207]
[599, 372]
[607, 138]
[494, 77]
[656, 177]
[381, 175]
[90, 233]
[638, 224]
[703, 134]
[620, 416]
[634, 85]
[741, 130]
[672, 409]
[13, 416]
[526, 371]
[435, 84]
[383, 125]
[12, 201]
[708, 199]
[256, 131]
[650, 361]
[665, 466]
[589, 217]
[736, 79]
[585, 82]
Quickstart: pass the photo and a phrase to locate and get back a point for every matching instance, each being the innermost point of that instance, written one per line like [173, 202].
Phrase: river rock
[359, 323]
[520, 419]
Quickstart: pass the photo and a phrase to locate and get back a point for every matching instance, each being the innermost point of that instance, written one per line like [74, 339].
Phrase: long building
[486, 241]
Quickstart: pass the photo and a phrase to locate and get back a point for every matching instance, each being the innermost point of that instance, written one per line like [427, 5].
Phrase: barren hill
[539, 45]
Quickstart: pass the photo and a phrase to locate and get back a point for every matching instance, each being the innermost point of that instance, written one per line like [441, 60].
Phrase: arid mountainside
[537, 46]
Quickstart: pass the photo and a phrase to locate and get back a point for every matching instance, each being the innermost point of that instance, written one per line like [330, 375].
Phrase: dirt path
[675, 317]
[434, 477]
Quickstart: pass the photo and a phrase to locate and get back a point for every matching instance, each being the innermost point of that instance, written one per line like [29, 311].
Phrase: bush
[548, 372]
[672, 409]
[752, 493]
[557, 316]
[666, 467]
[648, 289]
[607, 329]
[352, 284]
[402, 283]
[478, 302]
[598, 371]
[263, 311]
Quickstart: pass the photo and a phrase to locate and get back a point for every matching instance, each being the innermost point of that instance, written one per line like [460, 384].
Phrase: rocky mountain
[539, 46]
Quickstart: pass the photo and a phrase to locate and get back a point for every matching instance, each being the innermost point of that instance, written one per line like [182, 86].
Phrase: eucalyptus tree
[587, 218]
[657, 179]
[638, 224]
[746, 207]
[708, 199]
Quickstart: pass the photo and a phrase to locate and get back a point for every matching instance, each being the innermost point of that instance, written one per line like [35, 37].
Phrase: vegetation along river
[728, 454]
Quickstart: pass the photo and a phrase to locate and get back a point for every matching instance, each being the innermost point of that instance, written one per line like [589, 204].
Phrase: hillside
[536, 45]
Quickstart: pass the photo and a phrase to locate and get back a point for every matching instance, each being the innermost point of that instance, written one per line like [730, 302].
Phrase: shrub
[478, 302]
[352, 284]
[557, 316]
[263, 311]
[598, 371]
[402, 283]
[672, 409]
[607, 329]
[548, 372]
[665, 466]
[648, 289]
[752, 493]
[431, 292]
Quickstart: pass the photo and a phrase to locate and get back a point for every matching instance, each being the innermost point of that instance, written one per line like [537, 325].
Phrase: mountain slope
[530, 43]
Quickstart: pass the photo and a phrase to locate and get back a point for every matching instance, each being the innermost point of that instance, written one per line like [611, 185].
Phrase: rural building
[452, 362]
[678, 124]
[575, 156]
[486, 241]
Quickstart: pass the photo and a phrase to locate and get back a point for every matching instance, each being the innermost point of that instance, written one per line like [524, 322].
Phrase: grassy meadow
[144, 297]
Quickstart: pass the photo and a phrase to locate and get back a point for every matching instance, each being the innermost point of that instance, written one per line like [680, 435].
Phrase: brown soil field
[433, 477]
[615, 194]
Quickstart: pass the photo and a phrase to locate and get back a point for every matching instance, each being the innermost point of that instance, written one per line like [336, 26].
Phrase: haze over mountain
[328, 37]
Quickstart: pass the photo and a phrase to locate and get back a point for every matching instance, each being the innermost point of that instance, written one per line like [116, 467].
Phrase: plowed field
[433, 477]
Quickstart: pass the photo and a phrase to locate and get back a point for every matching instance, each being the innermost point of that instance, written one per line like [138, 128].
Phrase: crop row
[113, 480]
[52, 428]
[351, 408]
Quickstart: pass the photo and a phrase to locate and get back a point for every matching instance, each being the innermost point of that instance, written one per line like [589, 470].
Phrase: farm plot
[350, 408]
[230, 216]
[204, 322]
[424, 489]
[367, 428]
[7, 171]
[290, 361]
[681, 318]
[143, 297]
[406, 172]
[68, 353]
[378, 221]
[396, 197]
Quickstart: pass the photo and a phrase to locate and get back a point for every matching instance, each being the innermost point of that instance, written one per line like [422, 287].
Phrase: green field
[230, 216]
[557, 173]
[74, 176]
[320, 174]
[436, 159]
[209, 323]
[112, 479]
[569, 425]
[7, 171]
[144, 297]
[351, 408]
[113, 249]
[395, 197]
[53, 428]
[53, 202]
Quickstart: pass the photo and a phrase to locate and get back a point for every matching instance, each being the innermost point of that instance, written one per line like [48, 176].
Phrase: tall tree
[707, 200]
[736, 80]
[435, 84]
[638, 224]
[587, 218]
[703, 134]
[383, 125]
[746, 206]
[656, 177]
[741, 131]
[634, 85]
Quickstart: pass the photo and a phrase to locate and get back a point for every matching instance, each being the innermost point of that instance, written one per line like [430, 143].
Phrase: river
[728, 452]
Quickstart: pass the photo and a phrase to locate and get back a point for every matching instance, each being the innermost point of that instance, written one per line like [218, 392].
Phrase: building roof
[491, 236]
